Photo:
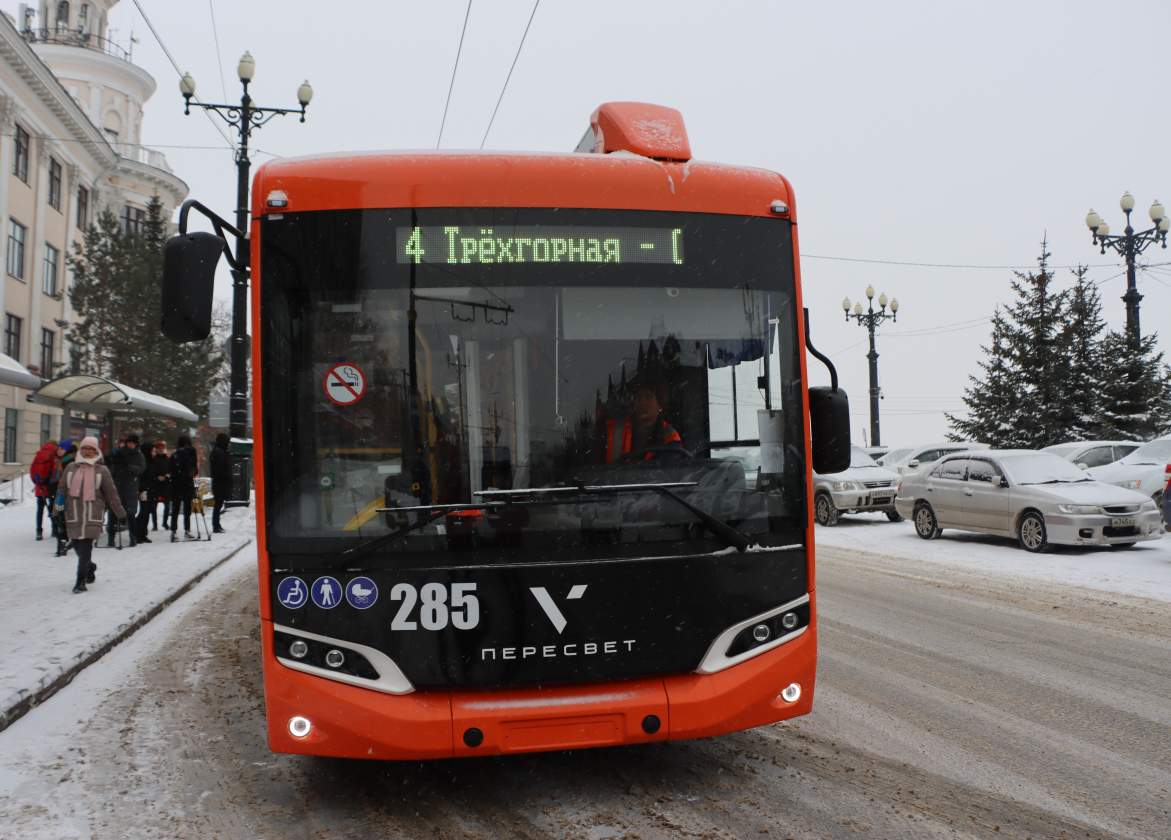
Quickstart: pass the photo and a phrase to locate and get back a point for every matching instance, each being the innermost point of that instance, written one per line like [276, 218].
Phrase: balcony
[74, 38]
[142, 154]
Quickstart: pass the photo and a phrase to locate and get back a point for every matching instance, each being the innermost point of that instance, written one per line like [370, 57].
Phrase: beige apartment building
[70, 145]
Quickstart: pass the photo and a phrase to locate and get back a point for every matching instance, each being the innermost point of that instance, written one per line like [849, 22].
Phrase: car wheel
[825, 511]
[1158, 500]
[1031, 533]
[926, 525]
[894, 516]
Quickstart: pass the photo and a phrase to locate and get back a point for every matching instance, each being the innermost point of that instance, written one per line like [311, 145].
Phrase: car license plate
[1122, 522]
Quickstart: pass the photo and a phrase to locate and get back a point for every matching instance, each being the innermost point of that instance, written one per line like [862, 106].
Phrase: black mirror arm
[833, 373]
[221, 226]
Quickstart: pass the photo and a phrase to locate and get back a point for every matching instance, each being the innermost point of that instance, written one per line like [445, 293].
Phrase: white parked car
[865, 486]
[1142, 470]
[920, 456]
[1035, 497]
[1093, 453]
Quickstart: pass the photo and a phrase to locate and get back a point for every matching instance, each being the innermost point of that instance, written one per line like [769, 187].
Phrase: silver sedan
[1035, 497]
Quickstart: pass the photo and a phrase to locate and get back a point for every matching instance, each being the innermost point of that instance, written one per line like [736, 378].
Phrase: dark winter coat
[126, 465]
[83, 520]
[155, 482]
[43, 470]
[184, 468]
[221, 473]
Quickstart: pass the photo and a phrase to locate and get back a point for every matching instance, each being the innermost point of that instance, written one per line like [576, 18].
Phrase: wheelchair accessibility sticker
[292, 592]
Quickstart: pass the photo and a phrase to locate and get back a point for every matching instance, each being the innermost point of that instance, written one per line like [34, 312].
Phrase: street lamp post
[870, 319]
[244, 117]
[1129, 245]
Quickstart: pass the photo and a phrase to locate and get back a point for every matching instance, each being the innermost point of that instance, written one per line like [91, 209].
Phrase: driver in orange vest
[644, 430]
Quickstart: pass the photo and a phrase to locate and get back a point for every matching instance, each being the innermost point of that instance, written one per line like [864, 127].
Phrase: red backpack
[41, 470]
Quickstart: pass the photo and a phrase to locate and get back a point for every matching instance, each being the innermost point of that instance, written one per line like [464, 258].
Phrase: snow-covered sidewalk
[1144, 570]
[50, 634]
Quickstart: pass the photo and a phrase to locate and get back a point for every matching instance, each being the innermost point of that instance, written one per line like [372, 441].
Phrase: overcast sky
[916, 132]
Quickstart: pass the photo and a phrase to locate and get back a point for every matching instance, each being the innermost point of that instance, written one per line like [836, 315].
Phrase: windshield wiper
[729, 535]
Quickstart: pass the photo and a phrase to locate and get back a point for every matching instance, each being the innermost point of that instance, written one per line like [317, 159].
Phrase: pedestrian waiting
[66, 454]
[126, 465]
[153, 489]
[184, 468]
[221, 479]
[85, 490]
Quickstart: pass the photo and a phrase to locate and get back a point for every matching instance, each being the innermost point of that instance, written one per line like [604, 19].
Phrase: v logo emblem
[550, 606]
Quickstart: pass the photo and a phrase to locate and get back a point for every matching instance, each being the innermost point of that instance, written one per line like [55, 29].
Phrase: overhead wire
[178, 72]
[218, 57]
[451, 85]
[508, 78]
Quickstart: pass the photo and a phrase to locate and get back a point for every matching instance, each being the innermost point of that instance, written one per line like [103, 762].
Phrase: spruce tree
[992, 399]
[1084, 375]
[116, 293]
[1137, 394]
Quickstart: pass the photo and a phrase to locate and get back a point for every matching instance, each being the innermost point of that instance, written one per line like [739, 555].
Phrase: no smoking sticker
[345, 384]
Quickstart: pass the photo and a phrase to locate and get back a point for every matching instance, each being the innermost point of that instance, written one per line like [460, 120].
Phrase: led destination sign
[474, 245]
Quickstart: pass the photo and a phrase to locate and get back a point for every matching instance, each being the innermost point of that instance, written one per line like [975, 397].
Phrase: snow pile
[49, 631]
[1144, 570]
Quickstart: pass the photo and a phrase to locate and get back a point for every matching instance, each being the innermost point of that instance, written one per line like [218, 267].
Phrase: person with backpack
[184, 467]
[85, 490]
[43, 475]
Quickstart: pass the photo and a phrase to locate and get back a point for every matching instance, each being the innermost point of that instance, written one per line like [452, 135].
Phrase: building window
[63, 16]
[132, 219]
[20, 158]
[82, 208]
[52, 263]
[12, 325]
[54, 183]
[48, 338]
[83, 18]
[16, 234]
[46, 427]
[11, 427]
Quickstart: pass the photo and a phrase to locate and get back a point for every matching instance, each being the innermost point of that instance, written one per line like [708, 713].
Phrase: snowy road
[949, 704]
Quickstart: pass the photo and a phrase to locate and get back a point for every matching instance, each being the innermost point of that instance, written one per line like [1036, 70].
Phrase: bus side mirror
[829, 427]
[189, 264]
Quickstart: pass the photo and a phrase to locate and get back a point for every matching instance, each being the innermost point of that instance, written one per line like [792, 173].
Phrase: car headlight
[844, 485]
[1134, 484]
[1149, 505]
[1079, 508]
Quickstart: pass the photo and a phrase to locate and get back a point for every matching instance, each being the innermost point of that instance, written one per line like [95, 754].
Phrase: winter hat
[67, 445]
[89, 440]
[132, 438]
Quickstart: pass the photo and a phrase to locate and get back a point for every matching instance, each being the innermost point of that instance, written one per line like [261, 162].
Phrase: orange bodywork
[361, 723]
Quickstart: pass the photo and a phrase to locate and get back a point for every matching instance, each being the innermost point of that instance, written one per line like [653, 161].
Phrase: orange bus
[533, 444]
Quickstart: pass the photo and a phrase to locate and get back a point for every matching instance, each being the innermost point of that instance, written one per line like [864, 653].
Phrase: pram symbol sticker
[292, 592]
[326, 592]
[345, 384]
[361, 593]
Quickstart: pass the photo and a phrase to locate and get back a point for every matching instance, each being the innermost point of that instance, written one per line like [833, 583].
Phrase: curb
[18, 710]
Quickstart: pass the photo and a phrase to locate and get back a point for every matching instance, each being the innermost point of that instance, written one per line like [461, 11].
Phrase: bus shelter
[13, 372]
[95, 395]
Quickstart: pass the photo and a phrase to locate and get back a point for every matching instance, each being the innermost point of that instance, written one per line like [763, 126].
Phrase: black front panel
[548, 623]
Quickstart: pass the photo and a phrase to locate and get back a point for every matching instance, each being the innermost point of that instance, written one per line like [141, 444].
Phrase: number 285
[436, 609]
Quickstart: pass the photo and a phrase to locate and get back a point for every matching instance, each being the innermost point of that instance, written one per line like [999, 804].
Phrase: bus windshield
[459, 386]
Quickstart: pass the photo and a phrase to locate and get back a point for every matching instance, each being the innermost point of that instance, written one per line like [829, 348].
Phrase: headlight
[1130, 485]
[1149, 505]
[844, 485]
[1079, 508]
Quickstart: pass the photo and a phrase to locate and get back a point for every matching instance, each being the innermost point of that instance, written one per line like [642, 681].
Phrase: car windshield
[1042, 468]
[859, 458]
[1155, 452]
[421, 388]
[1063, 449]
[894, 456]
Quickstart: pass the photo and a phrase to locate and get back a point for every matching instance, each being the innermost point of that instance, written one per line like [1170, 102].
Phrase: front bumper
[352, 722]
[1097, 529]
[860, 501]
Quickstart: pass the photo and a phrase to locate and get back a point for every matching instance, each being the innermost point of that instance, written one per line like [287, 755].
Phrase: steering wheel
[657, 452]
